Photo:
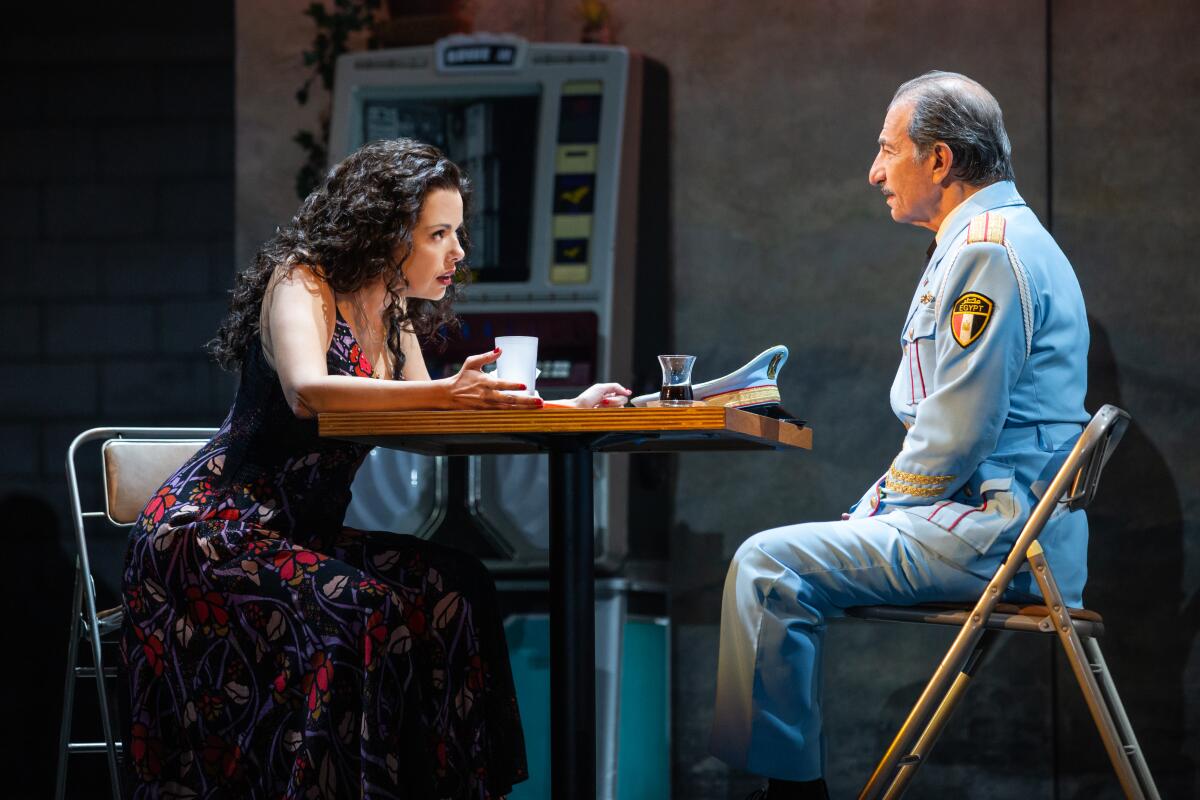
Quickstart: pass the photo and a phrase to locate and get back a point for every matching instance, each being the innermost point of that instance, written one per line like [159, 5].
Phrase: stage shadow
[1135, 579]
[37, 620]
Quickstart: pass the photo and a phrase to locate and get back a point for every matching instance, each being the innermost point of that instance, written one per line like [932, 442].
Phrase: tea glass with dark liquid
[677, 380]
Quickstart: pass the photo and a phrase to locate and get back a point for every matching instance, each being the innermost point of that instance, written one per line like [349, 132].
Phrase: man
[990, 388]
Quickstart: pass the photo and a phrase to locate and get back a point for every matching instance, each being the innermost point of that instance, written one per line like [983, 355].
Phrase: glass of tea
[677, 380]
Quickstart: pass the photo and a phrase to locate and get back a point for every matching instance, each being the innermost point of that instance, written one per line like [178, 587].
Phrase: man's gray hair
[952, 108]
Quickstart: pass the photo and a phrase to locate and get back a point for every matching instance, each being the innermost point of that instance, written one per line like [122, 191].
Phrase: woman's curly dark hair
[348, 231]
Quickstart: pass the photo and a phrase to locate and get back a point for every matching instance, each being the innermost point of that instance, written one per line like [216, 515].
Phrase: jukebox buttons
[575, 181]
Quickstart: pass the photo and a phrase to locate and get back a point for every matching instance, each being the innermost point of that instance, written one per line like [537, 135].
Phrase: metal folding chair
[1078, 630]
[135, 462]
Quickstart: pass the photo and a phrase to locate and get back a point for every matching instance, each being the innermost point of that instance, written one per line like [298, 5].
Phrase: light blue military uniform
[990, 386]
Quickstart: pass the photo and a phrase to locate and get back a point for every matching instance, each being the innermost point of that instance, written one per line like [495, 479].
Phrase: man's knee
[750, 569]
[798, 548]
[749, 551]
[771, 555]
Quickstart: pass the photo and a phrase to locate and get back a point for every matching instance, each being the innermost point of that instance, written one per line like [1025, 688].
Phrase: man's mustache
[886, 192]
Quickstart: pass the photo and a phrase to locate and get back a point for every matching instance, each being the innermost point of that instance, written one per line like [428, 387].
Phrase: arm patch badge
[969, 317]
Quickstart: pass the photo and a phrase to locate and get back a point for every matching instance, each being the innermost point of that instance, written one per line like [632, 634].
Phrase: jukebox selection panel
[566, 344]
[575, 181]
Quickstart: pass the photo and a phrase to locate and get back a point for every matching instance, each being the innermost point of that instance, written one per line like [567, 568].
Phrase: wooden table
[570, 437]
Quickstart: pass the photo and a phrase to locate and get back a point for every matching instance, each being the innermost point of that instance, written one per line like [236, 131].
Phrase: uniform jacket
[990, 387]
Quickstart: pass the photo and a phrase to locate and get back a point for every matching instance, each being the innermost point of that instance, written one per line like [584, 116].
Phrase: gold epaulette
[916, 485]
[987, 227]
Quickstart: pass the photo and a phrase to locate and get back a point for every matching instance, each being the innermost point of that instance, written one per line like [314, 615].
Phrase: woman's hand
[602, 395]
[471, 388]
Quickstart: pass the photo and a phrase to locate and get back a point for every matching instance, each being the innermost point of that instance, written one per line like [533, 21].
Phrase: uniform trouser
[782, 586]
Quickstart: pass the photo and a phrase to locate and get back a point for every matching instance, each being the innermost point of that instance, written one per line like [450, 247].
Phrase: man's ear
[943, 162]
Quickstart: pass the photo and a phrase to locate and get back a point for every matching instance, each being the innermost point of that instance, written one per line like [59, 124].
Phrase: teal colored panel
[529, 652]
[644, 753]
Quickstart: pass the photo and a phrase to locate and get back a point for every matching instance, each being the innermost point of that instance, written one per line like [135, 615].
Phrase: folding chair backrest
[135, 468]
[1109, 424]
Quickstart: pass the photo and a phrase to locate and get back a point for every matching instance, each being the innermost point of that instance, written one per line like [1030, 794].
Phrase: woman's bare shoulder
[297, 286]
[297, 294]
[302, 278]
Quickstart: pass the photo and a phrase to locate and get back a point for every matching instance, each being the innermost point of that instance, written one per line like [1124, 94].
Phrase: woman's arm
[298, 323]
[599, 395]
[415, 368]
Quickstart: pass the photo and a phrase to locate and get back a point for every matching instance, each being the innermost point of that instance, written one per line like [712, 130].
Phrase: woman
[272, 652]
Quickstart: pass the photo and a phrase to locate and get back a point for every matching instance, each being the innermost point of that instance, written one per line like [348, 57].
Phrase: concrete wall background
[777, 238]
[1126, 107]
[117, 248]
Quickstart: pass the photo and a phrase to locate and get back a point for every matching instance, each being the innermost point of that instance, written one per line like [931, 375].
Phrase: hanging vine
[335, 28]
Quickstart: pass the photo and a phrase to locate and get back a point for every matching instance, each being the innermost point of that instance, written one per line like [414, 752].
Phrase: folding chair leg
[1100, 668]
[106, 721]
[1083, 673]
[106, 725]
[936, 690]
[937, 723]
[64, 736]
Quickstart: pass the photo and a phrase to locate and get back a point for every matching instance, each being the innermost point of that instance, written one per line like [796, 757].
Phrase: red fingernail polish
[521, 387]
[540, 404]
[497, 350]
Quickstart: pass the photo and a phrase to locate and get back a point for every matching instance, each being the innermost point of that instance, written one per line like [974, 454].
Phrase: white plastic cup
[518, 361]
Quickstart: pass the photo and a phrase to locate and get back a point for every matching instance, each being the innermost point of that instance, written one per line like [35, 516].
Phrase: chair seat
[1006, 616]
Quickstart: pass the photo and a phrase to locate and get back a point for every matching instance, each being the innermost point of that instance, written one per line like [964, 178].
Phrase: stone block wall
[116, 250]
[116, 224]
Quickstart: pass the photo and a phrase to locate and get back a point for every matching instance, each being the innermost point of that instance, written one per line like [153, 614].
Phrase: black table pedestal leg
[572, 626]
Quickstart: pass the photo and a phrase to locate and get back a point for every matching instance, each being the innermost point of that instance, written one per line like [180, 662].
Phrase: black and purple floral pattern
[273, 653]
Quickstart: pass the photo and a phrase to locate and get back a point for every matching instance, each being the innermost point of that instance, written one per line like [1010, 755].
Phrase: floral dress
[273, 653]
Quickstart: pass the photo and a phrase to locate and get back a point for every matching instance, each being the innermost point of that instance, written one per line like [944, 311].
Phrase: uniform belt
[1048, 436]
